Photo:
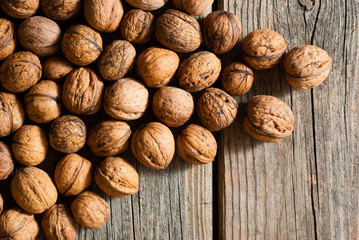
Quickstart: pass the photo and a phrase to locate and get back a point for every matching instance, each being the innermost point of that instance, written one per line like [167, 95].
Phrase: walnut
[73, 174]
[126, 99]
[237, 79]
[216, 109]
[199, 71]
[90, 210]
[221, 31]
[157, 66]
[109, 138]
[137, 26]
[196, 145]
[81, 45]
[148, 5]
[58, 223]
[12, 115]
[117, 177]
[56, 67]
[268, 119]
[153, 145]
[20, 71]
[20, 9]
[306, 66]
[7, 38]
[33, 190]
[1, 204]
[193, 7]
[6, 161]
[61, 10]
[173, 106]
[17, 224]
[117, 60]
[82, 91]
[29, 145]
[263, 49]
[67, 134]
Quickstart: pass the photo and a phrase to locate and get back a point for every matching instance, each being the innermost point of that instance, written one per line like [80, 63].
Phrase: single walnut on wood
[60, 10]
[7, 38]
[12, 115]
[148, 5]
[20, 9]
[6, 161]
[56, 67]
[193, 7]
[237, 79]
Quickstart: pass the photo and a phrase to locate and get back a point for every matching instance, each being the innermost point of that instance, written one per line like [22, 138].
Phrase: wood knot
[307, 4]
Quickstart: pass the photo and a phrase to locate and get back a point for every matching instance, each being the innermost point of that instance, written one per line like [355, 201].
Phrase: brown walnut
[61, 10]
[193, 7]
[153, 145]
[148, 5]
[58, 223]
[67, 134]
[173, 106]
[7, 38]
[90, 210]
[117, 177]
[199, 71]
[33, 190]
[216, 109]
[6, 161]
[196, 145]
[237, 79]
[20, 9]
[263, 49]
[268, 119]
[82, 91]
[20, 71]
[12, 115]
[56, 67]
[81, 45]
[306, 66]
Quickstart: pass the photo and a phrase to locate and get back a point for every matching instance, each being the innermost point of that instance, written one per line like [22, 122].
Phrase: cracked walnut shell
[12, 115]
[148, 5]
[237, 79]
[6, 161]
[20, 9]
[193, 7]
[61, 10]
[7, 38]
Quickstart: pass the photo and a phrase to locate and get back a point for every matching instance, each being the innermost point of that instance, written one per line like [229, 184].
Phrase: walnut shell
[126, 99]
[157, 66]
[29, 145]
[6, 161]
[263, 49]
[81, 45]
[173, 106]
[61, 10]
[73, 174]
[148, 5]
[17, 224]
[12, 115]
[20, 71]
[199, 71]
[268, 119]
[20, 9]
[306, 66]
[117, 177]
[67, 134]
[196, 145]
[7, 38]
[216, 109]
[153, 145]
[90, 210]
[82, 91]
[109, 138]
[137, 26]
[59, 224]
[193, 7]
[237, 79]
[56, 67]
[33, 190]
[117, 60]
[1, 204]
[178, 31]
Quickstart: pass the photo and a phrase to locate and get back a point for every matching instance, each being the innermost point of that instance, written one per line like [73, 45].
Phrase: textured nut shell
[60, 10]
[173, 106]
[6, 161]
[67, 134]
[56, 67]
[1, 204]
[82, 91]
[178, 31]
[7, 38]
[193, 7]
[137, 26]
[109, 138]
[268, 119]
[117, 177]
[216, 109]
[20, 9]
[196, 145]
[17, 224]
[90, 210]
[81, 45]
[73, 174]
[33, 190]
[147, 4]
[237, 79]
[20, 71]
[157, 66]
[58, 223]
[263, 48]
[117, 60]
[199, 71]
[153, 145]
[11, 115]
[221, 31]
[30, 145]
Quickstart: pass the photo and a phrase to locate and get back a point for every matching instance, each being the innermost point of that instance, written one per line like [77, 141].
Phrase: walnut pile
[7, 38]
